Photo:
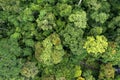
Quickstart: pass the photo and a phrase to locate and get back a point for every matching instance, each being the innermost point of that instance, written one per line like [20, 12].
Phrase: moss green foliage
[96, 31]
[118, 77]
[107, 72]
[99, 17]
[59, 40]
[114, 22]
[46, 20]
[29, 70]
[72, 38]
[112, 55]
[78, 19]
[66, 69]
[64, 9]
[10, 64]
[92, 4]
[50, 51]
[88, 75]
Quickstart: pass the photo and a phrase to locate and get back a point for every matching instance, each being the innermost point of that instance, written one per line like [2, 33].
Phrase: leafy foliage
[64, 9]
[99, 17]
[29, 70]
[59, 39]
[112, 55]
[46, 20]
[73, 39]
[9, 63]
[114, 22]
[106, 72]
[88, 75]
[79, 19]
[96, 31]
[50, 51]
[96, 45]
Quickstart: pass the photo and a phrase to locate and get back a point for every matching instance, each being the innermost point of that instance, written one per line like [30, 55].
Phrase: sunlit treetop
[78, 19]
[96, 45]
[46, 20]
[50, 51]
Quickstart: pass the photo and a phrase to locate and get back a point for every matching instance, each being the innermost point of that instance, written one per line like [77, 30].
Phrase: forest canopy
[59, 39]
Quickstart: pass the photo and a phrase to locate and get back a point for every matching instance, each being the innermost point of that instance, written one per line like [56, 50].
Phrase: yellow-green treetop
[96, 45]
[50, 51]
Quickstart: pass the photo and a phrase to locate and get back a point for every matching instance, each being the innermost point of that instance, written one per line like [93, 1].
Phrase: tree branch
[79, 2]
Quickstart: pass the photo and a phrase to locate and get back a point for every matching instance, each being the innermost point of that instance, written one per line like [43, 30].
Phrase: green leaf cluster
[96, 45]
[72, 38]
[59, 39]
[79, 19]
[50, 51]
[10, 64]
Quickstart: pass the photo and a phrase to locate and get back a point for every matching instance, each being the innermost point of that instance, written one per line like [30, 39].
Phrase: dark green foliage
[64, 9]
[115, 5]
[88, 75]
[27, 51]
[59, 39]
[92, 4]
[112, 54]
[10, 64]
[96, 31]
[99, 17]
[10, 6]
[114, 22]
[72, 38]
